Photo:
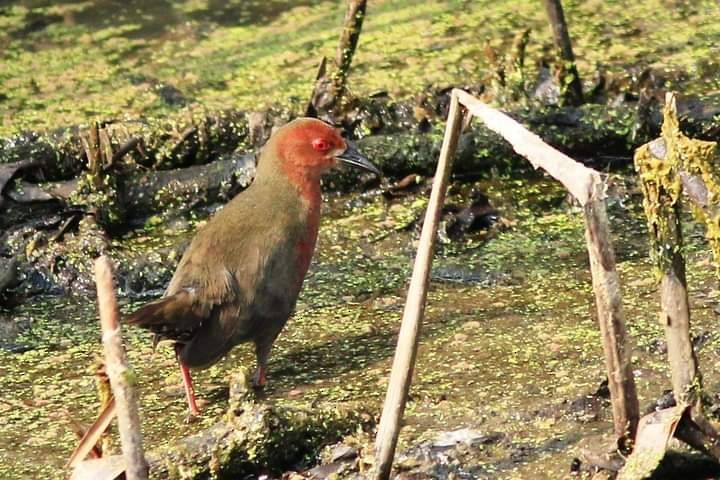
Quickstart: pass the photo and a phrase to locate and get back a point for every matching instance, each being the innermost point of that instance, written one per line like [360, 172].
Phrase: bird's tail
[172, 317]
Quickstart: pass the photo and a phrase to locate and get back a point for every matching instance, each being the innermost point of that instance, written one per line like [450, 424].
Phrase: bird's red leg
[187, 383]
[259, 379]
[262, 352]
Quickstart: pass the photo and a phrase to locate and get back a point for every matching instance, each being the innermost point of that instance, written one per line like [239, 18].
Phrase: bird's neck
[301, 191]
[308, 189]
[291, 168]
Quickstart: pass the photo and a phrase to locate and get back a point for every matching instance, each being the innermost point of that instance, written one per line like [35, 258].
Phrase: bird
[240, 277]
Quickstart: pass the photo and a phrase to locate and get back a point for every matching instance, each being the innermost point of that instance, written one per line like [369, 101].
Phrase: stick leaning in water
[588, 187]
[404, 361]
[120, 374]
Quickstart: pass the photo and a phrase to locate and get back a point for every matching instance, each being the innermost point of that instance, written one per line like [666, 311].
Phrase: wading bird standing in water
[240, 277]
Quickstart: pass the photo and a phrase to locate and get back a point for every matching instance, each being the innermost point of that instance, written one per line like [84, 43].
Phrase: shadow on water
[153, 19]
[300, 363]
[334, 357]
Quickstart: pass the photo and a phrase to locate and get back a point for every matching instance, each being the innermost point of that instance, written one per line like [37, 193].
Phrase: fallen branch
[9, 170]
[126, 148]
[588, 188]
[148, 192]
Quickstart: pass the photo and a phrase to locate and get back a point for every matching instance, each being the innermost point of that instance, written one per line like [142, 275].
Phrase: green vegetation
[510, 343]
[66, 63]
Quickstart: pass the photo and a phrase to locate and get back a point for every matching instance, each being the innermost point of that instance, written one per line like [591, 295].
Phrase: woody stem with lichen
[348, 42]
[658, 164]
[661, 189]
[330, 87]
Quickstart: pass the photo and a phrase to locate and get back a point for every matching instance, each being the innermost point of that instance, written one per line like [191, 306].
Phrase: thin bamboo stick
[121, 377]
[404, 361]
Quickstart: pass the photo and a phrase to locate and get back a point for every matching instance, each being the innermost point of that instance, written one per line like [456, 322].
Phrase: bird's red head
[309, 145]
[306, 148]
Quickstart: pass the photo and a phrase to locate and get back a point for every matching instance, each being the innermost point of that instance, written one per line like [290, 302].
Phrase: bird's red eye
[321, 145]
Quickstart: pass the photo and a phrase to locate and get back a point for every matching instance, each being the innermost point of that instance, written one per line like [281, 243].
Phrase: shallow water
[516, 354]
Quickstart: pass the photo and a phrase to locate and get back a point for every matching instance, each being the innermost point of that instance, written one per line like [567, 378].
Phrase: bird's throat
[306, 245]
[306, 182]
[310, 194]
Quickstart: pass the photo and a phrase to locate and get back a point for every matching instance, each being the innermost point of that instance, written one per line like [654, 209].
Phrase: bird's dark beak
[352, 156]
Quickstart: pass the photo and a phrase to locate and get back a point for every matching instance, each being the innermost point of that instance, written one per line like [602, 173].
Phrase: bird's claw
[192, 417]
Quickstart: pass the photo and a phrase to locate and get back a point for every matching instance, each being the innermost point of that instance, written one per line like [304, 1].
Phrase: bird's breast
[305, 247]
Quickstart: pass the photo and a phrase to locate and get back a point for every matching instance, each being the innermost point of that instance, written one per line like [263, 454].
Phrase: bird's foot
[259, 379]
[192, 417]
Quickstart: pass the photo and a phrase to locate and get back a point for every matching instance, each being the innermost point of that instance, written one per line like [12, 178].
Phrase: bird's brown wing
[213, 284]
[198, 289]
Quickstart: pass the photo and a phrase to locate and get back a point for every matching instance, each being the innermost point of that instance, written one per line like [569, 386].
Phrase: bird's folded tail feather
[172, 317]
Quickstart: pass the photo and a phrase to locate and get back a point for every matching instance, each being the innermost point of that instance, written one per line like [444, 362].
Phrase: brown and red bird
[239, 279]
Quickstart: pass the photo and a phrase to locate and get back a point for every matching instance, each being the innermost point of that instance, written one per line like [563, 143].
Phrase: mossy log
[252, 440]
[157, 166]
[198, 137]
[191, 138]
[143, 192]
[255, 438]
[147, 192]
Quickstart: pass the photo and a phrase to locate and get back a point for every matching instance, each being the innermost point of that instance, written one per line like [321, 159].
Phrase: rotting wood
[310, 109]
[105, 146]
[697, 168]
[662, 187]
[104, 468]
[126, 148]
[9, 170]
[149, 192]
[654, 432]
[90, 438]
[587, 186]
[404, 360]
[592, 132]
[120, 374]
[91, 145]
